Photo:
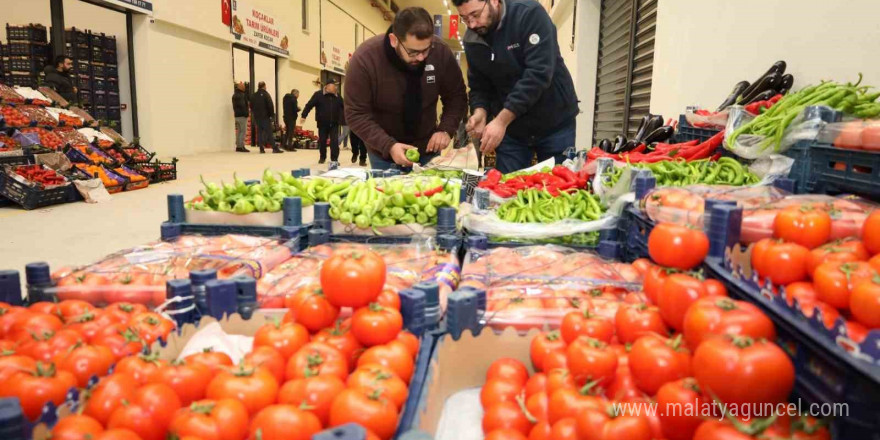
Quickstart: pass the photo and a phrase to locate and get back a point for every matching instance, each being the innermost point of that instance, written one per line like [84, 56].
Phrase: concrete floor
[80, 233]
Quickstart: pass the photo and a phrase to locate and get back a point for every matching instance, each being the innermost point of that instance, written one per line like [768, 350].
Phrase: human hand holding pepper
[476, 124]
[495, 131]
[398, 154]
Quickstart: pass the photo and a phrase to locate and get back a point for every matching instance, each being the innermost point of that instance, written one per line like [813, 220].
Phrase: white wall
[19, 12]
[704, 47]
[581, 61]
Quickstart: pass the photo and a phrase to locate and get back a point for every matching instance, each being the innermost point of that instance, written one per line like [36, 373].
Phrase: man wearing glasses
[522, 96]
[392, 87]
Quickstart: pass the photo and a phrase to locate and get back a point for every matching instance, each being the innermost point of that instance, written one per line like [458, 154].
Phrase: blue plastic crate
[637, 228]
[836, 170]
[608, 244]
[686, 132]
[826, 371]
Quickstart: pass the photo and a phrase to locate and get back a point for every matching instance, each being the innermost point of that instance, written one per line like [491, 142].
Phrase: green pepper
[407, 219]
[397, 212]
[269, 177]
[440, 199]
[224, 206]
[421, 218]
[260, 203]
[362, 221]
[346, 218]
[274, 205]
[211, 187]
[228, 189]
[423, 201]
[243, 207]
[430, 211]
[412, 155]
[240, 186]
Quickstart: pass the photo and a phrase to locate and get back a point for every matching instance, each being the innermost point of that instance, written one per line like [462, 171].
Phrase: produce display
[71, 136]
[378, 203]
[852, 135]
[662, 152]
[847, 213]
[48, 139]
[109, 178]
[130, 174]
[555, 181]
[724, 171]
[542, 206]
[651, 130]
[54, 97]
[37, 115]
[9, 96]
[113, 134]
[14, 118]
[686, 205]
[266, 196]
[40, 176]
[443, 174]
[137, 154]
[33, 96]
[94, 155]
[9, 143]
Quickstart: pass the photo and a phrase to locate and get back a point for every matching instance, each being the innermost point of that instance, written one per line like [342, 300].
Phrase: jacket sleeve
[310, 105]
[453, 95]
[270, 106]
[538, 39]
[358, 110]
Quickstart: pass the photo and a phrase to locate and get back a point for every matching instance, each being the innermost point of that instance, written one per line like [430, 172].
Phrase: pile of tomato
[38, 114]
[48, 139]
[71, 121]
[13, 118]
[836, 278]
[317, 367]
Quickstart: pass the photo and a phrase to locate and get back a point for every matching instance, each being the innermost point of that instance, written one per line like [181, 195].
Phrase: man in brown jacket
[392, 87]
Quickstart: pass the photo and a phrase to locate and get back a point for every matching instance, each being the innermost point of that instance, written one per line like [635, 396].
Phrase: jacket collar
[475, 38]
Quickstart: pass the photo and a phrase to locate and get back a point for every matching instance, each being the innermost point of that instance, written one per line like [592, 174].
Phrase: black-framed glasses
[467, 19]
[415, 53]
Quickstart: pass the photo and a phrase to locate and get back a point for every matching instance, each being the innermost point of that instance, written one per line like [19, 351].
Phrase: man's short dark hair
[262, 85]
[458, 3]
[414, 21]
[59, 60]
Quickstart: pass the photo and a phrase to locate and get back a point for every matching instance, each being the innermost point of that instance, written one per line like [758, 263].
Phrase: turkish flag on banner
[453, 26]
[226, 11]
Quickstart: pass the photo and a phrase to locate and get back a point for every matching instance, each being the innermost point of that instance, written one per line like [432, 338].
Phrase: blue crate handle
[785, 184]
[318, 237]
[222, 298]
[724, 229]
[349, 431]
[10, 287]
[292, 210]
[183, 311]
[643, 184]
[176, 210]
[412, 308]
[463, 312]
[38, 274]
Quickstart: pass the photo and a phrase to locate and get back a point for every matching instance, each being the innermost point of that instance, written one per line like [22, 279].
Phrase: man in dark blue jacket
[522, 96]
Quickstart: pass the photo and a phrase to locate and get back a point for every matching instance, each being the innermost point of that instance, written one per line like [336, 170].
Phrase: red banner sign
[453, 26]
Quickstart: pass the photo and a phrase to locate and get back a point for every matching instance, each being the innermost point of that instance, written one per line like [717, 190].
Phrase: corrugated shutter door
[625, 66]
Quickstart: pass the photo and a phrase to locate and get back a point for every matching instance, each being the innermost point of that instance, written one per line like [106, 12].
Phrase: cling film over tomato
[139, 275]
[848, 213]
[407, 265]
[534, 287]
[685, 206]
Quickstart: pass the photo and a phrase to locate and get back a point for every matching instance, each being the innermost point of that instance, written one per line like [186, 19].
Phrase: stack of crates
[76, 46]
[28, 54]
[96, 71]
[99, 78]
[111, 80]
[4, 58]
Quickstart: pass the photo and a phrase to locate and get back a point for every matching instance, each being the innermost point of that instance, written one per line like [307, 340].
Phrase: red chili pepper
[493, 176]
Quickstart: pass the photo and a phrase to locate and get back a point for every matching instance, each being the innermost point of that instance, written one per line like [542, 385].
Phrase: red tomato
[143, 368]
[505, 434]
[341, 337]
[376, 378]
[864, 303]
[189, 380]
[709, 317]
[108, 395]
[585, 323]
[85, 362]
[118, 434]
[834, 281]
[508, 369]
[677, 246]
[740, 370]
[151, 326]
[803, 225]
[499, 390]
[268, 358]
[308, 306]
[34, 389]
[393, 355]
[624, 386]
[45, 347]
[11, 363]
[642, 265]
[536, 384]
[555, 360]
[679, 292]
[125, 311]
[121, 340]
[596, 424]
[283, 422]
[542, 431]
[591, 360]
[506, 415]
[538, 405]
[716, 430]
[782, 263]
[565, 429]
[316, 358]
[73, 308]
[389, 298]
[411, 342]
[353, 278]
[542, 345]
[678, 407]
[559, 379]
[634, 321]
[76, 427]
[256, 388]
[214, 360]
[714, 288]
[33, 323]
[376, 325]
[224, 419]
[655, 360]
[842, 251]
[801, 290]
[287, 338]
[316, 393]
[871, 233]
[375, 413]
[149, 414]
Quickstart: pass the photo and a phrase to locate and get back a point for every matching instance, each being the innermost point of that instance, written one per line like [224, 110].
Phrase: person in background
[263, 112]
[392, 87]
[240, 109]
[58, 78]
[358, 150]
[522, 96]
[328, 113]
[291, 110]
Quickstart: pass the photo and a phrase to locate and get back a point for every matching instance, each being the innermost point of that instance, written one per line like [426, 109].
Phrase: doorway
[252, 67]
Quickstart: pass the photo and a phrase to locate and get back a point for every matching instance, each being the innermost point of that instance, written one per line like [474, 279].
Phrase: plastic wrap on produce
[714, 120]
[34, 96]
[407, 265]
[854, 134]
[488, 223]
[139, 274]
[805, 127]
[535, 286]
[848, 214]
[685, 206]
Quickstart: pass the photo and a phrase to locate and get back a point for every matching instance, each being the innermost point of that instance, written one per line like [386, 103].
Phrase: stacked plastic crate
[111, 77]
[28, 54]
[77, 48]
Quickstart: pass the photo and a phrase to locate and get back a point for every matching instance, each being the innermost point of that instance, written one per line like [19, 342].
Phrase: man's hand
[438, 142]
[476, 124]
[495, 131]
[302, 121]
[398, 154]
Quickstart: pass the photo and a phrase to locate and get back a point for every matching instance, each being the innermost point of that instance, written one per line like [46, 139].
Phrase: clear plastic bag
[714, 120]
[805, 127]
[535, 286]
[139, 274]
[685, 205]
[35, 97]
[407, 265]
[38, 115]
[848, 214]
[9, 96]
[853, 134]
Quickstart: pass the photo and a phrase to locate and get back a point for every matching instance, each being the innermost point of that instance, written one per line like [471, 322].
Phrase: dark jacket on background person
[290, 107]
[518, 66]
[262, 105]
[375, 87]
[61, 82]
[328, 108]
[240, 103]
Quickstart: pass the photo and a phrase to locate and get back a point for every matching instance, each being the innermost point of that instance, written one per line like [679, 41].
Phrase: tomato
[801, 291]
[353, 278]
[678, 406]
[505, 434]
[44, 347]
[33, 323]
[255, 387]
[287, 338]
[585, 323]
[716, 430]
[11, 363]
[149, 414]
[809, 428]
[151, 326]
[855, 331]
[283, 422]
[124, 311]
[389, 298]
[591, 360]
[677, 246]
[393, 355]
[871, 233]
[411, 342]
[373, 412]
[542, 345]
[376, 325]
[803, 225]
[499, 390]
[596, 424]
[841, 251]
[782, 263]
[827, 314]
[506, 415]
[538, 405]
[508, 369]
[316, 358]
[73, 308]
[108, 395]
[76, 427]
[308, 306]
[121, 340]
[143, 368]
[558, 379]
[710, 316]
[569, 402]
[118, 434]
[374, 377]
[542, 431]
[623, 386]
[655, 360]
[316, 393]
[679, 292]
[565, 429]
[214, 360]
[864, 302]
[189, 380]
[223, 419]
[555, 360]
[714, 287]
[341, 337]
[8, 316]
[636, 320]
[268, 358]
[34, 389]
[642, 265]
[85, 361]
[45, 307]
[91, 323]
[536, 384]
[875, 262]
[834, 281]
[740, 370]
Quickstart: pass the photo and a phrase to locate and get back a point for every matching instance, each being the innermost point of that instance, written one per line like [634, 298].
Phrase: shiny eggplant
[778, 69]
[643, 127]
[619, 142]
[734, 94]
[768, 82]
[655, 123]
[660, 134]
[606, 145]
[787, 82]
[629, 146]
[763, 96]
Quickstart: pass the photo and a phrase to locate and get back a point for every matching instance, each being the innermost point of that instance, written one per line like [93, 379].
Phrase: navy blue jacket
[518, 66]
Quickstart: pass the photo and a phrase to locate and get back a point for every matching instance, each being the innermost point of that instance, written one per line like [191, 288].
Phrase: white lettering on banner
[258, 28]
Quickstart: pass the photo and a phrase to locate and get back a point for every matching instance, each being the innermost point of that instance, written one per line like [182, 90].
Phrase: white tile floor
[80, 233]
